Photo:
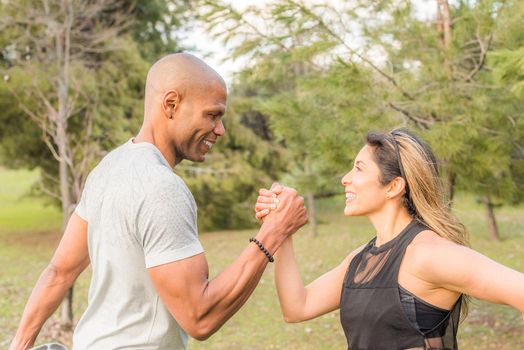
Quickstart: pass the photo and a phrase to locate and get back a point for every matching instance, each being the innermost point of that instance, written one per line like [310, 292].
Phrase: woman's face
[364, 193]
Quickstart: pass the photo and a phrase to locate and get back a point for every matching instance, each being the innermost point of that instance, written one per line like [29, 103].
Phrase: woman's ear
[396, 187]
[170, 103]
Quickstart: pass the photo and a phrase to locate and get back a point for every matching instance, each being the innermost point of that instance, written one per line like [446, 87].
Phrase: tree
[73, 85]
[225, 186]
[430, 75]
[305, 101]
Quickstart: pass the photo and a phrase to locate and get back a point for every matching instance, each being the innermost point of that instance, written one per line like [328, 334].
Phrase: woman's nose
[346, 179]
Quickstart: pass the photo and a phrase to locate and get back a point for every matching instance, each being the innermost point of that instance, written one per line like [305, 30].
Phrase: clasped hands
[282, 204]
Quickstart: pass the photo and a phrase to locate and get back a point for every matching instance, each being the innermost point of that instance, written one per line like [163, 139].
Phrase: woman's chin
[352, 211]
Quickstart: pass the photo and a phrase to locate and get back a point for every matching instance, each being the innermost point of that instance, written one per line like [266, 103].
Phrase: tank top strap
[397, 249]
[408, 234]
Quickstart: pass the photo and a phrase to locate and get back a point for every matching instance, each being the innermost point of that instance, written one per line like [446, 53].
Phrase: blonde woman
[404, 290]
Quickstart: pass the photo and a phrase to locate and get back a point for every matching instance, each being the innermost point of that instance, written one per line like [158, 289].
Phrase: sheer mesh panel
[370, 265]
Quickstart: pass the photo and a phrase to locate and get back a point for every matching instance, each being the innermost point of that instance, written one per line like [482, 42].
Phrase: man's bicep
[72, 255]
[181, 286]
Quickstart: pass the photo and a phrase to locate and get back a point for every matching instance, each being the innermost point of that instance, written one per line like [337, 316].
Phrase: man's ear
[396, 187]
[170, 103]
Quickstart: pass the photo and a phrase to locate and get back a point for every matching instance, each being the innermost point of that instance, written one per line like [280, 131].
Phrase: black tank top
[371, 311]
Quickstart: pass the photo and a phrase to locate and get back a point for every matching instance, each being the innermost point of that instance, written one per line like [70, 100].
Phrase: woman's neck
[389, 223]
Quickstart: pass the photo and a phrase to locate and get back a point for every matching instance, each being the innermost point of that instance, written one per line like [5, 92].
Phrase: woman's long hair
[400, 153]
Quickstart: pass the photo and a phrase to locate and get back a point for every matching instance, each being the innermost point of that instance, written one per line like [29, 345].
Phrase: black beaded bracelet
[262, 248]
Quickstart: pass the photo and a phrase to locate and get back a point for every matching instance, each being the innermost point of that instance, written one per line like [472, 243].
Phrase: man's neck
[145, 135]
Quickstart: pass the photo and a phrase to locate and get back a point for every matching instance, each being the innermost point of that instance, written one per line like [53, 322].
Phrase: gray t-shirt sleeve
[81, 207]
[167, 223]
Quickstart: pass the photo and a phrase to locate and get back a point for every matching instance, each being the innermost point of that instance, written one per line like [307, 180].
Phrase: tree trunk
[310, 198]
[66, 313]
[63, 47]
[444, 22]
[310, 201]
[445, 32]
[450, 187]
[493, 231]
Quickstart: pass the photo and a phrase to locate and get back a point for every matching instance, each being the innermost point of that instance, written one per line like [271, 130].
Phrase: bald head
[182, 72]
[185, 100]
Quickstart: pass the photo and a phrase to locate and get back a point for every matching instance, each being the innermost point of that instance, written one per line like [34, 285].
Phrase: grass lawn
[29, 233]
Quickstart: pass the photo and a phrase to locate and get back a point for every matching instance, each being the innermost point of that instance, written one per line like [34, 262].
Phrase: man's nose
[219, 129]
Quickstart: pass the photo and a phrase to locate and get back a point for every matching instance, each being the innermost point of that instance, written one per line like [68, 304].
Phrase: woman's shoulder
[429, 239]
[428, 248]
[347, 260]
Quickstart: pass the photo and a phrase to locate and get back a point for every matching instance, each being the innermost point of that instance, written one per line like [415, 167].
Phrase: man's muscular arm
[201, 305]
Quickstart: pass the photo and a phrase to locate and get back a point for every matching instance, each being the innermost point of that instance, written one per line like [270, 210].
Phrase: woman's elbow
[292, 318]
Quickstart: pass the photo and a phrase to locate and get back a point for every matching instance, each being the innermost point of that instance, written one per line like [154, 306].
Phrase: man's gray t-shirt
[140, 214]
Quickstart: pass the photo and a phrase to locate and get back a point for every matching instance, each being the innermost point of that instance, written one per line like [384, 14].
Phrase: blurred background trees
[73, 74]
[329, 71]
[316, 76]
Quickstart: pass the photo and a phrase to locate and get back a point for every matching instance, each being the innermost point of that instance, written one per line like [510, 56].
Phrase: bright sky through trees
[216, 54]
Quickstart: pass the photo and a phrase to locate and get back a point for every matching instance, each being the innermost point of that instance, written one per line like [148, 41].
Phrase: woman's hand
[267, 200]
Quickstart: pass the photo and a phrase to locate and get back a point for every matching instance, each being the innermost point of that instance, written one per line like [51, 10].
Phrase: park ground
[29, 233]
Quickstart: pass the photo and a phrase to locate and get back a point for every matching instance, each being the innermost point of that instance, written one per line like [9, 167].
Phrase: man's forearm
[225, 295]
[44, 300]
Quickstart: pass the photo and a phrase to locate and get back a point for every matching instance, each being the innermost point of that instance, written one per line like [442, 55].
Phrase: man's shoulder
[162, 180]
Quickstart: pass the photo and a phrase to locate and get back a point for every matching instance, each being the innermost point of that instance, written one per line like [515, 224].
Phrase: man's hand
[286, 206]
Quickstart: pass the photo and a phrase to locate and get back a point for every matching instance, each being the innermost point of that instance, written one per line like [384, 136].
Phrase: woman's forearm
[290, 288]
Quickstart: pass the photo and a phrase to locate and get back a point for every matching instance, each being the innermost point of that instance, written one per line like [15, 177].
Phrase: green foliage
[20, 211]
[454, 97]
[319, 77]
[320, 89]
[155, 26]
[110, 47]
[110, 85]
[226, 185]
[308, 95]
[510, 68]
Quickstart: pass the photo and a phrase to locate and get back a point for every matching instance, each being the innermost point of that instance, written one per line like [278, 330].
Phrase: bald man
[136, 225]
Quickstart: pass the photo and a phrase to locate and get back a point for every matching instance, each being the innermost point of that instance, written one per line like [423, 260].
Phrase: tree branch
[338, 38]
[482, 56]
[420, 122]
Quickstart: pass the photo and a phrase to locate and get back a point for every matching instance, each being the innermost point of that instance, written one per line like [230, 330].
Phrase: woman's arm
[299, 303]
[461, 269]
